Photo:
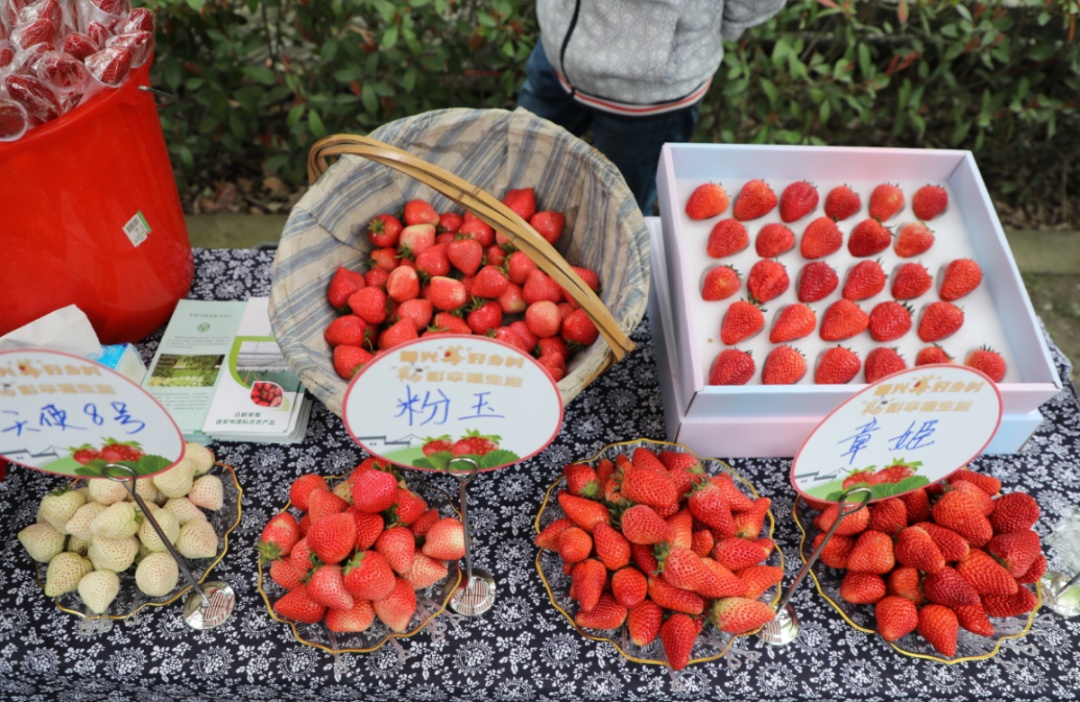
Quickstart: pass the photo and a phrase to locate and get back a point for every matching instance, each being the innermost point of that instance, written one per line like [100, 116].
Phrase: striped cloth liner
[494, 150]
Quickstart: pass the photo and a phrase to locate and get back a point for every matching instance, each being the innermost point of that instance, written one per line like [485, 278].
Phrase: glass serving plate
[969, 646]
[131, 599]
[711, 643]
[430, 603]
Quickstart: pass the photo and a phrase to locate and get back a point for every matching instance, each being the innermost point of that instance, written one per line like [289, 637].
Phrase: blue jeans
[631, 143]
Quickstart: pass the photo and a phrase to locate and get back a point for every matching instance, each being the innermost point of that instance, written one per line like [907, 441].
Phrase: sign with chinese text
[903, 432]
[64, 414]
[425, 403]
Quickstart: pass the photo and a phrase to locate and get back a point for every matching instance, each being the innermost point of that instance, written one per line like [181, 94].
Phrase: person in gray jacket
[633, 70]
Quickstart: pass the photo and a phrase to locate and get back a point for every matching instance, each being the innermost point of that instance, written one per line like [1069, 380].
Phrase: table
[523, 648]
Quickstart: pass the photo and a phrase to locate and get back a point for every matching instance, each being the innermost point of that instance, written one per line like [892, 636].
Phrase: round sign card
[65, 414]
[899, 434]
[425, 403]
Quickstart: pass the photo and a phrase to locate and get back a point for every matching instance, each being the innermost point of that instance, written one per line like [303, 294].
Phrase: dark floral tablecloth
[523, 648]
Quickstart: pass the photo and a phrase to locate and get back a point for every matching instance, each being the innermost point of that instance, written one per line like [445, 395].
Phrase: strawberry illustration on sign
[898, 477]
[482, 448]
[266, 394]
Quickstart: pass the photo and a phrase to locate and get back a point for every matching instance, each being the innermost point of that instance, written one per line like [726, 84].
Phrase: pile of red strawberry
[949, 556]
[842, 319]
[652, 542]
[358, 551]
[449, 273]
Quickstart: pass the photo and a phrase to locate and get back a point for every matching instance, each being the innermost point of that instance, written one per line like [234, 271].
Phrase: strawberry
[917, 503]
[682, 529]
[397, 546]
[735, 499]
[323, 504]
[797, 200]
[540, 286]
[642, 525]
[357, 619]
[987, 483]
[369, 527]
[325, 586]
[720, 282]
[836, 551]
[837, 366]
[1016, 511]
[332, 538]
[947, 587]
[420, 212]
[872, 553]
[342, 285]
[881, 362]
[522, 201]
[702, 542]
[486, 318]
[446, 293]
[817, 280]
[577, 327]
[675, 598]
[374, 490]
[962, 513]
[736, 553]
[910, 280]
[445, 540]
[940, 320]
[843, 319]
[347, 330]
[985, 574]
[583, 512]
[397, 609]
[932, 354]
[890, 320]
[548, 224]
[767, 280]
[939, 626]
[895, 472]
[741, 321]
[114, 451]
[989, 362]
[869, 238]
[1020, 602]
[732, 367]
[906, 582]
[298, 606]
[649, 487]
[886, 200]
[678, 634]
[278, 537]
[913, 239]
[368, 576]
[759, 579]
[756, 199]
[611, 546]
[581, 480]
[774, 239]
[284, 574]
[973, 618]
[589, 578]
[728, 237]
[850, 525]
[986, 504]
[643, 558]
[929, 201]
[1035, 572]
[888, 516]
[895, 617]
[110, 65]
[549, 537]
[490, 282]
[475, 444]
[861, 588]
[385, 259]
[915, 548]
[864, 280]
[348, 360]
[821, 238]
[842, 202]
[369, 304]
[302, 487]
[783, 366]
[384, 230]
[78, 45]
[707, 200]
[605, 616]
[953, 546]
[643, 622]
[959, 278]
[748, 523]
[1016, 551]
[403, 284]
[708, 505]
[589, 277]
[738, 615]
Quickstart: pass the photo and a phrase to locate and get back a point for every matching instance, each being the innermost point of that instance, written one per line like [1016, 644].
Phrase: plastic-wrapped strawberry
[40, 31]
[140, 44]
[110, 65]
[79, 46]
[41, 103]
[13, 120]
[138, 20]
[62, 72]
[98, 33]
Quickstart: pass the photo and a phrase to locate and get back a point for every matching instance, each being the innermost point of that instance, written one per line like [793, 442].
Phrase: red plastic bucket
[90, 215]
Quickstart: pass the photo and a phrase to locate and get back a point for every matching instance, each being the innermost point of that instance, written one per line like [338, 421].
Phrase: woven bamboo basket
[461, 159]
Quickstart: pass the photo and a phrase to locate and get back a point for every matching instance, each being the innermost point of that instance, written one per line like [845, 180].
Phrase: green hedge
[259, 81]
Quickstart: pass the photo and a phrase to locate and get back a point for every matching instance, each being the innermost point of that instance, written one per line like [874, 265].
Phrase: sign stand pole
[785, 627]
[476, 594]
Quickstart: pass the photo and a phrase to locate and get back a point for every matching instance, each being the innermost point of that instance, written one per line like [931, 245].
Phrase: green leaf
[498, 457]
[261, 74]
[423, 463]
[769, 88]
[390, 37]
[151, 464]
[315, 124]
[368, 97]
[437, 460]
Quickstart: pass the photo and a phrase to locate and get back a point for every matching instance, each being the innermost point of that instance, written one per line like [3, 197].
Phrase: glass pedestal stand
[1061, 594]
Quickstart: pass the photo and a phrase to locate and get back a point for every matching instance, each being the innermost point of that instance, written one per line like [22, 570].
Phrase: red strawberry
[962, 513]
[836, 551]
[910, 280]
[581, 480]
[735, 553]
[932, 354]
[986, 504]
[475, 444]
[298, 606]
[407, 508]
[817, 280]
[720, 282]
[914, 239]
[332, 538]
[110, 65]
[322, 504]
[798, 200]
[589, 578]
[985, 574]
[369, 304]
[851, 525]
[821, 238]
[579, 328]
[886, 200]
[678, 634]
[869, 238]
[344, 283]
[708, 505]
[629, 587]
[278, 537]
[605, 616]
[793, 322]
[987, 483]
[357, 619]
[420, 212]
[642, 525]
[861, 588]
[748, 523]
[397, 609]
[888, 516]
[1016, 511]
[973, 618]
[583, 512]
[732, 367]
[783, 366]
[960, 277]
[643, 558]
[284, 574]
[939, 626]
[989, 362]
[649, 487]
[384, 230]
[397, 546]
[929, 201]
[741, 321]
[756, 199]
[864, 280]
[350, 359]
[953, 546]
[759, 579]
[548, 224]
[881, 362]
[915, 548]
[301, 489]
[487, 317]
[490, 282]
[738, 615]
[522, 201]
[1020, 602]
[702, 542]
[645, 458]
[611, 546]
[842, 202]
[774, 239]
[837, 366]
[466, 254]
[368, 527]
[549, 537]
[1035, 572]
[643, 622]
[374, 490]
[728, 236]
[1016, 550]
[735, 499]
[843, 319]
[906, 582]
[940, 320]
[385, 259]
[947, 587]
[917, 503]
[707, 200]
[889, 320]
[347, 330]
[872, 553]
[540, 286]
[326, 587]
[895, 617]
[768, 279]
[682, 530]
[445, 540]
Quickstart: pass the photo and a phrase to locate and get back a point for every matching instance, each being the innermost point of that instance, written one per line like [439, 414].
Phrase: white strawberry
[65, 571]
[157, 574]
[41, 541]
[168, 523]
[201, 457]
[118, 521]
[116, 555]
[176, 481]
[99, 589]
[184, 510]
[79, 544]
[197, 540]
[146, 490]
[60, 505]
[206, 492]
[79, 524]
[106, 491]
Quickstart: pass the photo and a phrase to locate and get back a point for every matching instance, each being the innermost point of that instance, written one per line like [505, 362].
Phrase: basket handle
[492, 212]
